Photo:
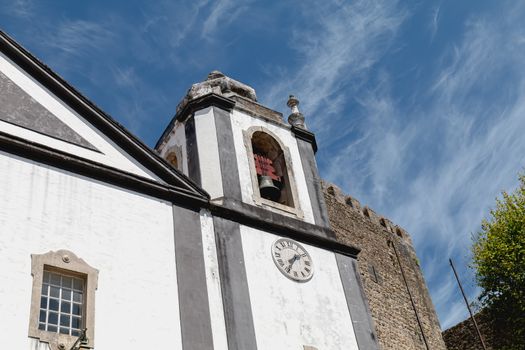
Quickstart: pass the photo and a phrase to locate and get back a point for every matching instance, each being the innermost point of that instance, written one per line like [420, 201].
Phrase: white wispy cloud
[80, 37]
[434, 23]
[436, 167]
[434, 164]
[183, 20]
[221, 15]
[340, 45]
[22, 9]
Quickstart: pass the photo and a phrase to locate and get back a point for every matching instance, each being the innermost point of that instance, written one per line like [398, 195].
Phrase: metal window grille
[61, 303]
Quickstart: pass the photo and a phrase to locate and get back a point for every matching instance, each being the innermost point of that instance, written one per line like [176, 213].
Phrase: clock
[292, 260]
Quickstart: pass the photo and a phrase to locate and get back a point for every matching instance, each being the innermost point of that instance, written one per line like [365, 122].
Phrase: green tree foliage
[499, 261]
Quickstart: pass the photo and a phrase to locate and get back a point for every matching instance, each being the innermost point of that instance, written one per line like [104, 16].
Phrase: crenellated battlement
[391, 276]
[366, 212]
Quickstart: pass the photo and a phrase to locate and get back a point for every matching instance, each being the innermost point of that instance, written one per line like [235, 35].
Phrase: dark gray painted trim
[191, 281]
[195, 105]
[95, 116]
[305, 135]
[282, 225]
[357, 305]
[19, 108]
[234, 284]
[231, 184]
[69, 162]
[230, 209]
[194, 171]
[313, 183]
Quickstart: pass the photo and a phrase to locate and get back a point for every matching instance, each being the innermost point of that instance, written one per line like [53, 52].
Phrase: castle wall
[389, 301]
[127, 236]
[495, 333]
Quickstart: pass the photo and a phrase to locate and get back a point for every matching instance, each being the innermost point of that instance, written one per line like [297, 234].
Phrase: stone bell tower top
[243, 153]
[219, 84]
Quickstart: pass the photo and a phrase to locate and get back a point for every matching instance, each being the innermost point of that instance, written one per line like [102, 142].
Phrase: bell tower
[243, 153]
[276, 276]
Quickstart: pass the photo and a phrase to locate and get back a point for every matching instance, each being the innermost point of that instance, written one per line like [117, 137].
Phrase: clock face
[292, 260]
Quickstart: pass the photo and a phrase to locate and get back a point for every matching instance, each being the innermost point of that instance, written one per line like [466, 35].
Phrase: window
[62, 304]
[270, 166]
[271, 171]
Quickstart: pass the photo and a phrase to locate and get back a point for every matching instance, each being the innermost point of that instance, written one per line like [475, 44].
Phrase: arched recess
[271, 166]
[174, 157]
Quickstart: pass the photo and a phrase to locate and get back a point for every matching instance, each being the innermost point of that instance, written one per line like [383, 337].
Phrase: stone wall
[386, 253]
[463, 336]
[496, 333]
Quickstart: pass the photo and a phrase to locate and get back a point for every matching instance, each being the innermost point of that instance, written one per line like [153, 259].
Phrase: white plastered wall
[110, 154]
[207, 145]
[213, 282]
[287, 314]
[241, 122]
[128, 237]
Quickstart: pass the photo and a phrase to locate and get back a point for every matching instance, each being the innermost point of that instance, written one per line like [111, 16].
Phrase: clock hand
[292, 261]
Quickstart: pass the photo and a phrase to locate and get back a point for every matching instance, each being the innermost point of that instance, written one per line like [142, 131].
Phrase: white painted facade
[109, 153]
[127, 236]
[289, 314]
[242, 122]
[209, 162]
[213, 282]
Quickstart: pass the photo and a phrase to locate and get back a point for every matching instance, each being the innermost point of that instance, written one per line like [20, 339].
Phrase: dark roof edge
[94, 115]
[101, 172]
[283, 225]
[231, 210]
[202, 102]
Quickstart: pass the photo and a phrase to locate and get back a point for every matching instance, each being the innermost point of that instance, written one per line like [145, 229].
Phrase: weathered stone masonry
[396, 324]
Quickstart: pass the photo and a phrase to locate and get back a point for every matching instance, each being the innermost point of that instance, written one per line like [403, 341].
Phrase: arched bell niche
[271, 169]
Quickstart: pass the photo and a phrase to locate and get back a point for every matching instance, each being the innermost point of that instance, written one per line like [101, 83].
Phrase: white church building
[216, 239]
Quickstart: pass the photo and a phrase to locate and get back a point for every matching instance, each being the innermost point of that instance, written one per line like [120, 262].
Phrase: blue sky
[418, 106]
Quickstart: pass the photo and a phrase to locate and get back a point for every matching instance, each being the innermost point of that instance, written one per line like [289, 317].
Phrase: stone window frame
[63, 261]
[257, 199]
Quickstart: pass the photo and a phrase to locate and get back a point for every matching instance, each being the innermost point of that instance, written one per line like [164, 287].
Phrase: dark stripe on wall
[231, 184]
[313, 183]
[357, 306]
[194, 171]
[234, 284]
[191, 281]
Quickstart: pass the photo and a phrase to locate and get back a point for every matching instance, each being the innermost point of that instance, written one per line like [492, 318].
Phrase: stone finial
[296, 118]
[215, 74]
